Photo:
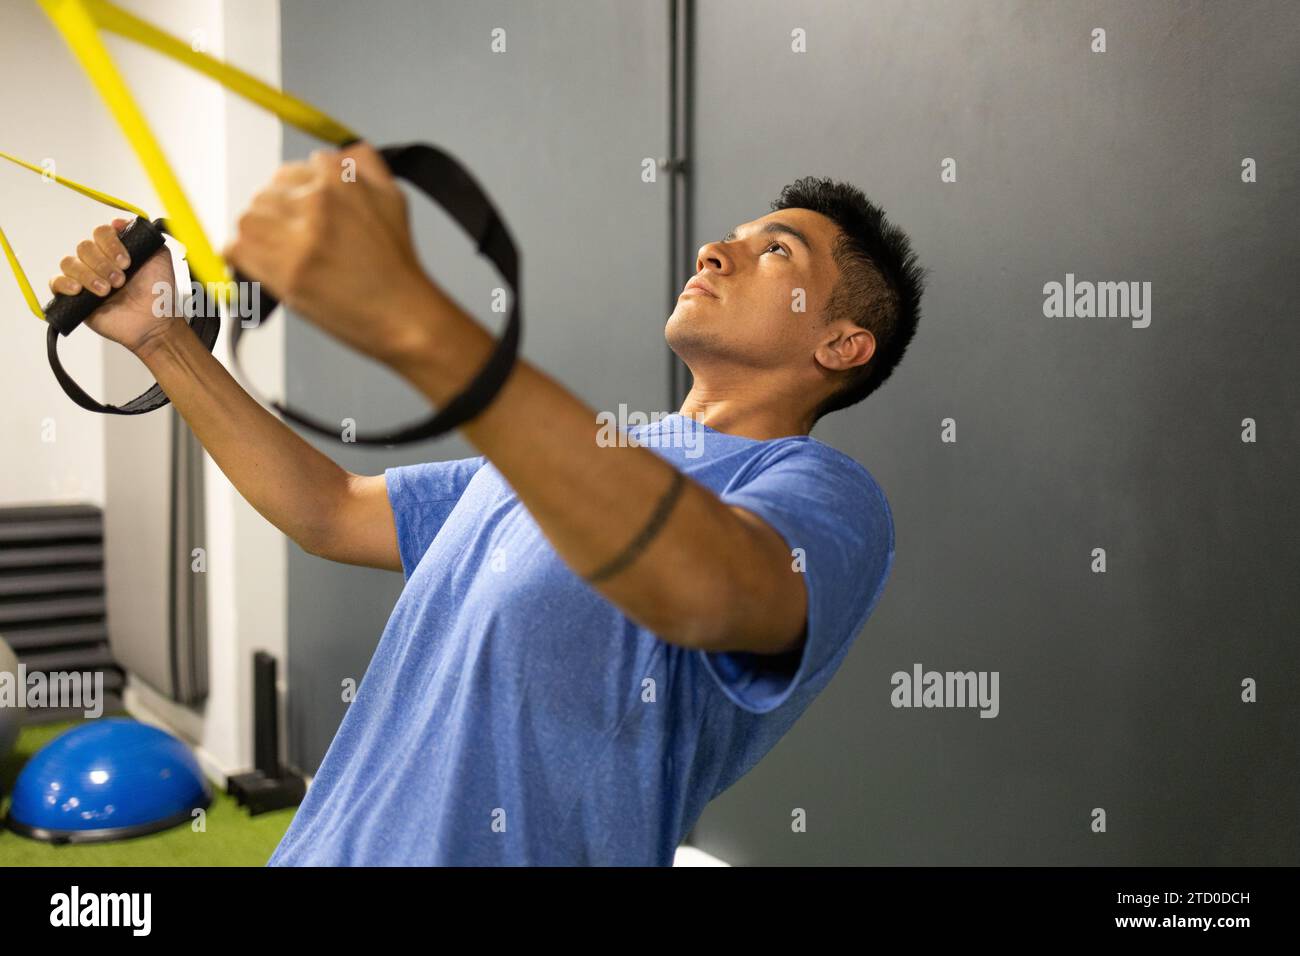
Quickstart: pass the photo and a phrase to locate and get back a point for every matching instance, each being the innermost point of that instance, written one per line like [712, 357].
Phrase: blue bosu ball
[107, 779]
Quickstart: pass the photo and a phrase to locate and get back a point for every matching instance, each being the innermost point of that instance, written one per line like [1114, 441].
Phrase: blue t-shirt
[512, 715]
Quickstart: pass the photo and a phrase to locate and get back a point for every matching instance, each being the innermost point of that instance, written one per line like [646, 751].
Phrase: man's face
[758, 298]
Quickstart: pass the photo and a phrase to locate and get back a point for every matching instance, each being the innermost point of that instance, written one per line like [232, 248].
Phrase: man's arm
[328, 511]
[338, 250]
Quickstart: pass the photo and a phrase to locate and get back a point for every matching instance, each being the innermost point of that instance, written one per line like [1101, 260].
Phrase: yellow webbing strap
[32, 302]
[79, 21]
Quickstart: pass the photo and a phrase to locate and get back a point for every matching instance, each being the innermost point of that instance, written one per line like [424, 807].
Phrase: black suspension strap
[446, 182]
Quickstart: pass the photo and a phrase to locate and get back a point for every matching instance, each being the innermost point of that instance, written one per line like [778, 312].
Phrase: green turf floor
[231, 838]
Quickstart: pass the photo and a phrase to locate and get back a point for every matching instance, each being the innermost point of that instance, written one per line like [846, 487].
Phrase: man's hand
[331, 239]
[128, 317]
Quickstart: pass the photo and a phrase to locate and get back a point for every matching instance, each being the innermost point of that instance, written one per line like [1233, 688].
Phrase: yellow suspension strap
[65, 312]
[430, 170]
[45, 173]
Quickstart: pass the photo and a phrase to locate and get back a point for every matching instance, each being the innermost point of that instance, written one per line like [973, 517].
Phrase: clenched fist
[331, 239]
[128, 318]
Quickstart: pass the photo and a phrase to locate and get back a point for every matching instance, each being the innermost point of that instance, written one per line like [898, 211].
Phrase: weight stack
[52, 602]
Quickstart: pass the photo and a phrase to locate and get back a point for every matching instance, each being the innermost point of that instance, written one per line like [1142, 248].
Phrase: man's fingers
[89, 253]
[64, 285]
[290, 176]
[245, 252]
[111, 246]
[76, 269]
[270, 204]
[327, 163]
[370, 165]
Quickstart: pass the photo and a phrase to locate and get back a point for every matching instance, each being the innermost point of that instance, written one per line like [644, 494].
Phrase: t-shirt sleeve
[422, 496]
[838, 526]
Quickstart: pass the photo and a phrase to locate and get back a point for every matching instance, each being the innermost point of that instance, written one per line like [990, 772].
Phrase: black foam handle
[142, 239]
[263, 303]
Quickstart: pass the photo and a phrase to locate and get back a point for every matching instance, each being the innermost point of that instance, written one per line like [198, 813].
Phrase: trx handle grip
[64, 313]
[142, 239]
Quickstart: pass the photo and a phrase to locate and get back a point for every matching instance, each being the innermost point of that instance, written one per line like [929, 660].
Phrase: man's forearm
[592, 501]
[289, 482]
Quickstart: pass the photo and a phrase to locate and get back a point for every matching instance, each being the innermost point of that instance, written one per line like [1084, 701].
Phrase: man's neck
[740, 415]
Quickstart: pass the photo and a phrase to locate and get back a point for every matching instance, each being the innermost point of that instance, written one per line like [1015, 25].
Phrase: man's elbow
[744, 616]
[699, 621]
[326, 532]
[318, 544]
[716, 611]
[698, 632]
[322, 536]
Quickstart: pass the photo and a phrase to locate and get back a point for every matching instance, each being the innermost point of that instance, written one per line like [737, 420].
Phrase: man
[595, 639]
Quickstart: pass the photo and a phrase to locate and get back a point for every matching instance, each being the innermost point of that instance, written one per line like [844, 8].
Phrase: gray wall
[1118, 690]
[555, 130]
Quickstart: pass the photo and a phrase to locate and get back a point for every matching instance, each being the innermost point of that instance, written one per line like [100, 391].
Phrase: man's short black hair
[880, 282]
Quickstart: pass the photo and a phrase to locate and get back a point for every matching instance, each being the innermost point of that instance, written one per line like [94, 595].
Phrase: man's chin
[687, 313]
[679, 325]
[687, 336]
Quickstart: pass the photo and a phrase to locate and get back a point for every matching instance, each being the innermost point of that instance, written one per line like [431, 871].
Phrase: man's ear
[851, 347]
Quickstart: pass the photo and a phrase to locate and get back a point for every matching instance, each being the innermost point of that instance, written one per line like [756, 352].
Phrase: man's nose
[713, 256]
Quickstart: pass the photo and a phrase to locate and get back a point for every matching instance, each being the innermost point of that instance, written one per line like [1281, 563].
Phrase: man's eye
[776, 245]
